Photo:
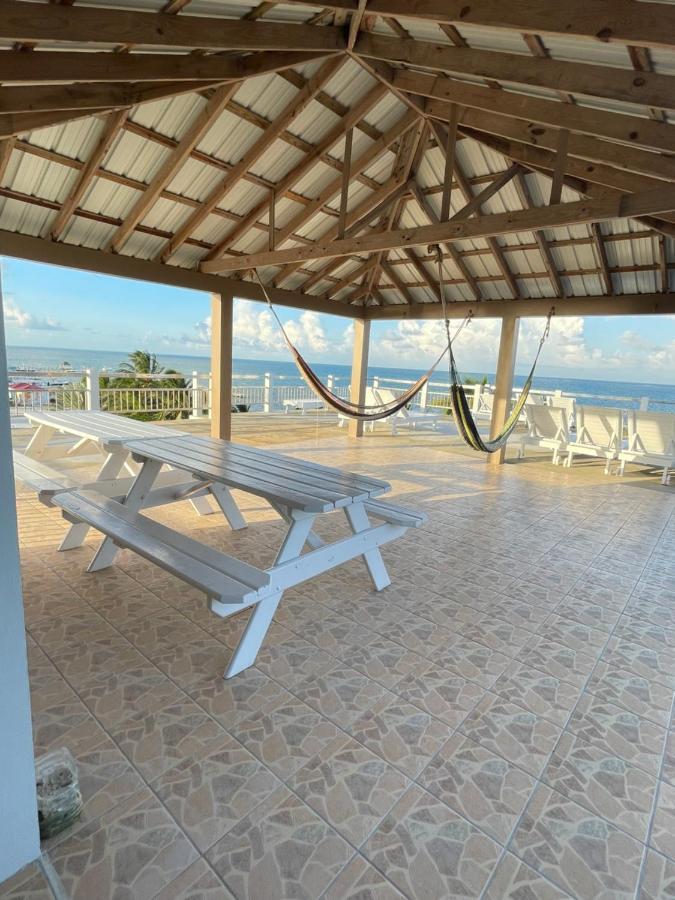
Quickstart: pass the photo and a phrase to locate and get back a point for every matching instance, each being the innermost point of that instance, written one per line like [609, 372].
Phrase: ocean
[251, 371]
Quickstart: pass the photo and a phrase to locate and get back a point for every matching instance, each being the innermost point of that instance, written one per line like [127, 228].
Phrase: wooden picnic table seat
[222, 578]
[395, 515]
[40, 477]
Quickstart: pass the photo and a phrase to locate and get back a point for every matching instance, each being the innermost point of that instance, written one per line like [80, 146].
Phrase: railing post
[195, 392]
[644, 404]
[329, 382]
[423, 395]
[209, 396]
[92, 397]
[267, 393]
[376, 382]
[477, 394]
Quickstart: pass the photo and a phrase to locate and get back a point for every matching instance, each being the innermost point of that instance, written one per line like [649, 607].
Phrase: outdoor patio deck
[495, 724]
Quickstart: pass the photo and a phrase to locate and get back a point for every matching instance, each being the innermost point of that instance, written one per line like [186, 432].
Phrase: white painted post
[644, 404]
[209, 396]
[329, 382]
[267, 393]
[506, 361]
[376, 382]
[477, 394]
[357, 390]
[92, 397]
[195, 392]
[423, 395]
[19, 837]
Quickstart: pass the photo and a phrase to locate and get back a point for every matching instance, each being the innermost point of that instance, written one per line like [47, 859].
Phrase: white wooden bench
[40, 477]
[223, 579]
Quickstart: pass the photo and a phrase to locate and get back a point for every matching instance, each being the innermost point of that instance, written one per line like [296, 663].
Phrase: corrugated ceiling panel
[24, 217]
[85, 233]
[109, 198]
[38, 177]
[229, 137]
[136, 158]
[196, 179]
[169, 116]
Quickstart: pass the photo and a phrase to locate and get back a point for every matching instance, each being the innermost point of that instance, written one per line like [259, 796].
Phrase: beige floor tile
[618, 732]
[159, 740]
[197, 882]
[282, 849]
[400, 733]
[542, 694]
[229, 700]
[479, 785]
[656, 665]
[662, 837]
[116, 696]
[349, 786]
[285, 734]
[646, 698]
[429, 851]
[211, 791]
[361, 881]
[134, 850]
[512, 733]
[471, 660]
[443, 694]
[341, 694]
[602, 782]
[581, 853]
[27, 884]
[658, 878]
[382, 660]
[293, 660]
[513, 880]
[558, 660]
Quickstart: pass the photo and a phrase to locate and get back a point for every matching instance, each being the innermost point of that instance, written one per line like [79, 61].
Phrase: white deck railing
[82, 391]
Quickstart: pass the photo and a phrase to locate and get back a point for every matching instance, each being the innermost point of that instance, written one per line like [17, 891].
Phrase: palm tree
[140, 364]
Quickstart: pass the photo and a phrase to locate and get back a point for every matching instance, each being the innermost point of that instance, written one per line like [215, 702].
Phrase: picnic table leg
[313, 538]
[139, 490]
[76, 534]
[358, 521]
[38, 443]
[228, 507]
[263, 612]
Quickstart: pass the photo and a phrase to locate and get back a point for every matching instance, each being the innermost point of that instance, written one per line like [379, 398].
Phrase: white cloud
[19, 318]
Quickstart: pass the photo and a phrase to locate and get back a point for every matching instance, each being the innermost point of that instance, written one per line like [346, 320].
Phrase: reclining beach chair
[599, 433]
[651, 442]
[547, 429]
[411, 418]
[370, 400]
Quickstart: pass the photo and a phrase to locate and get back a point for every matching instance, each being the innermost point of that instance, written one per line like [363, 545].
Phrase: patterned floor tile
[341, 694]
[574, 635]
[361, 881]
[400, 733]
[156, 741]
[114, 697]
[69, 723]
[429, 851]
[293, 660]
[443, 694]
[513, 880]
[512, 733]
[116, 654]
[285, 734]
[618, 732]
[582, 853]
[602, 782]
[662, 837]
[658, 878]
[645, 698]
[282, 849]
[198, 882]
[498, 635]
[27, 884]
[542, 694]
[133, 851]
[382, 660]
[657, 665]
[594, 615]
[471, 660]
[559, 660]
[350, 787]
[229, 700]
[479, 785]
[668, 771]
[211, 791]
[657, 637]
[193, 663]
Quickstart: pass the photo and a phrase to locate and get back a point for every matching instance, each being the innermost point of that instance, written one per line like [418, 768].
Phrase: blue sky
[56, 307]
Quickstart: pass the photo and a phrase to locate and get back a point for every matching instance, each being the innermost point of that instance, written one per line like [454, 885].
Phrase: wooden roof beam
[99, 25]
[632, 130]
[563, 214]
[650, 89]
[620, 21]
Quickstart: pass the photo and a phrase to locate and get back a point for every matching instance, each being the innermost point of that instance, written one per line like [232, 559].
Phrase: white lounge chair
[599, 433]
[412, 418]
[484, 407]
[370, 400]
[547, 429]
[651, 442]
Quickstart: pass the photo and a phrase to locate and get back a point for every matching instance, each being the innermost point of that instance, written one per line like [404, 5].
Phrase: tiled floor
[495, 724]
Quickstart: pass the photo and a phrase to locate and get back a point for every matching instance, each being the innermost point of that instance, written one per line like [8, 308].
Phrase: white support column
[508, 345]
[357, 388]
[221, 366]
[267, 393]
[19, 837]
[330, 381]
[92, 399]
[424, 396]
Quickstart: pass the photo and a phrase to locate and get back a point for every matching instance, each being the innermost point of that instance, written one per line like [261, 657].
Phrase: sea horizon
[52, 359]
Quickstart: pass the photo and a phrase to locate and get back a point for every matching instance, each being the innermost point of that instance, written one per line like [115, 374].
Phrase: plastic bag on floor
[58, 792]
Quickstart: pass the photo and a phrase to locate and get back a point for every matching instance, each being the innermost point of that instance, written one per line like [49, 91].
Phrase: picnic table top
[102, 427]
[282, 480]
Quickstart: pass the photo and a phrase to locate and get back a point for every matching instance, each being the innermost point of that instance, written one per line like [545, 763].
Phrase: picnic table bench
[297, 489]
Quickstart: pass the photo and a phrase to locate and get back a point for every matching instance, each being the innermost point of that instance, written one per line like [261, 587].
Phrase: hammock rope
[346, 407]
[461, 409]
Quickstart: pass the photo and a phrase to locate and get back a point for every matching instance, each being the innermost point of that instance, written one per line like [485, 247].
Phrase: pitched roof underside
[197, 174]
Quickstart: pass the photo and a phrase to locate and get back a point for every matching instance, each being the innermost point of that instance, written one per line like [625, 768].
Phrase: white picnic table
[105, 433]
[297, 489]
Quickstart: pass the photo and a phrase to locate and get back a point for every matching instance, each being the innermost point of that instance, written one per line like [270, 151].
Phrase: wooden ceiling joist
[577, 213]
